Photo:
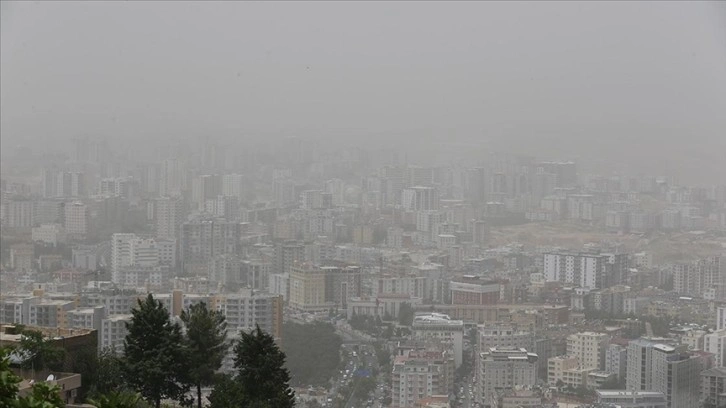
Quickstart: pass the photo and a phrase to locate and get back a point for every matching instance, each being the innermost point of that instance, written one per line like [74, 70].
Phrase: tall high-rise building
[171, 180]
[640, 355]
[70, 184]
[616, 360]
[677, 375]
[168, 217]
[285, 255]
[695, 278]
[227, 207]
[206, 187]
[233, 185]
[587, 270]
[203, 238]
[283, 191]
[654, 365]
[420, 199]
[307, 288]
[721, 318]
[19, 213]
[565, 172]
[76, 220]
[342, 284]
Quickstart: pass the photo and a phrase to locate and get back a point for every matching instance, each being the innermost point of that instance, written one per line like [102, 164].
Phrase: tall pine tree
[206, 334]
[262, 377]
[155, 357]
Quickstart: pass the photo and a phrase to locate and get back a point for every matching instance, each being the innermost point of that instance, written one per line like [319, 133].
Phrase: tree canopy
[262, 375]
[155, 357]
[206, 335]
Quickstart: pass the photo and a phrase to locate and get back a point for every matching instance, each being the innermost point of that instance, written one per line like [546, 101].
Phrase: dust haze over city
[363, 204]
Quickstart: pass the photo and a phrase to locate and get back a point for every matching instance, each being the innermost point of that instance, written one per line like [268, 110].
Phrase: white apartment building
[441, 328]
[502, 369]
[50, 313]
[715, 343]
[586, 270]
[420, 374]
[578, 269]
[136, 260]
[557, 366]
[16, 310]
[51, 234]
[504, 336]
[713, 387]
[86, 318]
[114, 304]
[699, 277]
[640, 359]
[113, 332]
[721, 318]
[589, 348]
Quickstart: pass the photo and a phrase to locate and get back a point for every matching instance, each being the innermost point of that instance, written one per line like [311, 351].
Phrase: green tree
[261, 373]
[85, 363]
[405, 314]
[118, 399]
[8, 380]
[42, 395]
[155, 357]
[39, 353]
[206, 335]
[110, 370]
[227, 393]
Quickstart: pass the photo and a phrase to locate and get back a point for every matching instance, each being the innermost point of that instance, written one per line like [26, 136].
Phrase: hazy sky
[573, 77]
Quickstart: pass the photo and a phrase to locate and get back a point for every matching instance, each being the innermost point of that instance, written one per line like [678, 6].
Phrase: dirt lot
[666, 247]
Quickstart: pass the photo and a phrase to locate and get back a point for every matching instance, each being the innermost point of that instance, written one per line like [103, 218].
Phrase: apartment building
[713, 387]
[502, 369]
[589, 348]
[715, 343]
[440, 328]
[420, 374]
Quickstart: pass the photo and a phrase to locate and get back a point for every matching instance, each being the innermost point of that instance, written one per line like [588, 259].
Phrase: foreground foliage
[43, 395]
[155, 358]
[206, 335]
[261, 380]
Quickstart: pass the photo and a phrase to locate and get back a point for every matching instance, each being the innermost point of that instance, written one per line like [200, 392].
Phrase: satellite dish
[51, 377]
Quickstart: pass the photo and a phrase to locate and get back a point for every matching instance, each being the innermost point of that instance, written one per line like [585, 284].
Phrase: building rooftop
[715, 372]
